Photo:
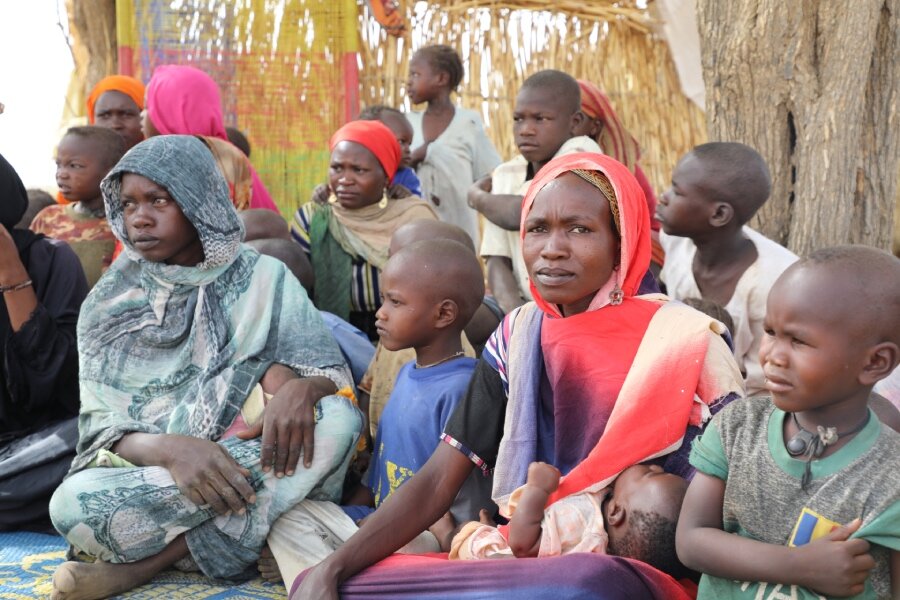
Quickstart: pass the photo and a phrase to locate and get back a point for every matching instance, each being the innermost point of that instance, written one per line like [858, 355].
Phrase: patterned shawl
[627, 379]
[172, 349]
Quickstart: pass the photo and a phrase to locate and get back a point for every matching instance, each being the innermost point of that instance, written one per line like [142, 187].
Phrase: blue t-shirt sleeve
[708, 455]
[408, 179]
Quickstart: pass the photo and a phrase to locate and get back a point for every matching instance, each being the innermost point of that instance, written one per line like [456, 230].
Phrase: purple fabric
[570, 577]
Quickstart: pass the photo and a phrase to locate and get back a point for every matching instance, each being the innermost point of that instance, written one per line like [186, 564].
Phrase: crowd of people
[442, 355]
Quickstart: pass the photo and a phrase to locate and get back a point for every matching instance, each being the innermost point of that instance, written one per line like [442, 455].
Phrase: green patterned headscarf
[173, 349]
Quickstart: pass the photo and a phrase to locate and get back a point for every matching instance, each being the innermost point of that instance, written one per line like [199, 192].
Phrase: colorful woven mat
[28, 560]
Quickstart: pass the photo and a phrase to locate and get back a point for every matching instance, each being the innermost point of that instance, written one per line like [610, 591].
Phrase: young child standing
[431, 289]
[634, 517]
[397, 122]
[710, 251]
[451, 150]
[797, 495]
[546, 114]
[84, 157]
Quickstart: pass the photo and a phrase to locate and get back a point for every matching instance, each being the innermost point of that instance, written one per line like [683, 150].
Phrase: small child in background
[451, 149]
[711, 253]
[546, 115]
[238, 139]
[431, 289]
[634, 517]
[797, 493]
[84, 156]
[397, 122]
[38, 200]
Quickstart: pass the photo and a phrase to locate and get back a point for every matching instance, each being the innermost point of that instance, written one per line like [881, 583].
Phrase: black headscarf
[13, 202]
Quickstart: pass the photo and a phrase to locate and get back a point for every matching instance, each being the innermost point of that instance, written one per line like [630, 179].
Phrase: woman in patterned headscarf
[172, 344]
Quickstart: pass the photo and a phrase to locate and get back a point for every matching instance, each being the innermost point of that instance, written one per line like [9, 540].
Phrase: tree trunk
[93, 38]
[814, 86]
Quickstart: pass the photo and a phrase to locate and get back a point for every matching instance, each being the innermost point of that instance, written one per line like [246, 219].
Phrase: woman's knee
[337, 415]
[64, 507]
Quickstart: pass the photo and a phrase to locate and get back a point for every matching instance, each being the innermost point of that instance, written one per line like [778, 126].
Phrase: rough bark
[814, 86]
[93, 38]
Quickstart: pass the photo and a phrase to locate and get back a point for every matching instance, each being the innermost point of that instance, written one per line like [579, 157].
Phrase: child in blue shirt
[397, 122]
[430, 291]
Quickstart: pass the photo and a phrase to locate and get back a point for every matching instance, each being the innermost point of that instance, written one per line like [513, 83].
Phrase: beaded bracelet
[15, 287]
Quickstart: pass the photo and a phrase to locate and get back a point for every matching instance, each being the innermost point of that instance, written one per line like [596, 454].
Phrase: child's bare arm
[503, 210]
[833, 565]
[525, 524]
[502, 282]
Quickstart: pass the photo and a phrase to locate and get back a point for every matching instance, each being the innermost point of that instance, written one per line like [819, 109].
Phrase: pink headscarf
[184, 100]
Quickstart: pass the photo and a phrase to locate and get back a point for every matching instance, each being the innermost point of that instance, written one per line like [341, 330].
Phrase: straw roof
[502, 43]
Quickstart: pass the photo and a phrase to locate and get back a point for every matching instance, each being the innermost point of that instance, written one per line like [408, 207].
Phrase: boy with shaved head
[710, 251]
[797, 493]
[431, 290]
[546, 115]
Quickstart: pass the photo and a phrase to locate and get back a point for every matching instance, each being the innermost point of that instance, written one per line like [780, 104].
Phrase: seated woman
[186, 101]
[42, 287]
[589, 378]
[348, 237]
[172, 341]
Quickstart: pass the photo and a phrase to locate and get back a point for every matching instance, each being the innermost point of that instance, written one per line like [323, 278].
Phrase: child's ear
[722, 215]
[443, 78]
[881, 360]
[575, 122]
[615, 512]
[447, 311]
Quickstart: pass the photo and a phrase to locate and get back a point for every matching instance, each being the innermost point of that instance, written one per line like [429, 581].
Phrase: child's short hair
[651, 539]
[712, 309]
[38, 200]
[238, 139]
[260, 223]
[374, 112]
[110, 144]
[446, 59]
[449, 270]
[874, 275]
[561, 84]
[420, 230]
[291, 255]
[735, 174]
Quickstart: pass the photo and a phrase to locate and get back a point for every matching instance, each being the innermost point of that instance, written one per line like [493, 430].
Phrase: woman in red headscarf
[604, 126]
[347, 237]
[590, 377]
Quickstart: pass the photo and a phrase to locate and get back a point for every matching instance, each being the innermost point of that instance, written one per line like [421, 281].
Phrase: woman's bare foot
[86, 581]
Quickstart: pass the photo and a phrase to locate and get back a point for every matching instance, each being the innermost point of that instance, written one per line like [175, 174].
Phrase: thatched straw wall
[502, 43]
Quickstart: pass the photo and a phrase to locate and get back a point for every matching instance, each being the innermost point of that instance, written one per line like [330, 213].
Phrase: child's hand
[837, 565]
[478, 190]
[544, 476]
[321, 193]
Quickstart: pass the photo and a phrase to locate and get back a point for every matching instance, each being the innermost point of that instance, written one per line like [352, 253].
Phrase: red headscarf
[634, 221]
[376, 138]
[129, 86]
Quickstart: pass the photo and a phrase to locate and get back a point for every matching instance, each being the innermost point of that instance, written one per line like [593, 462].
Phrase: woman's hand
[206, 474]
[321, 193]
[288, 422]
[319, 582]
[12, 271]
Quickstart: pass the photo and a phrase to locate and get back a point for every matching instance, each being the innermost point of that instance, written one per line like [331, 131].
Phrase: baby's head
[719, 185]
[832, 330]
[712, 309]
[422, 230]
[429, 289]
[641, 513]
[261, 223]
[83, 158]
[546, 115]
[397, 122]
